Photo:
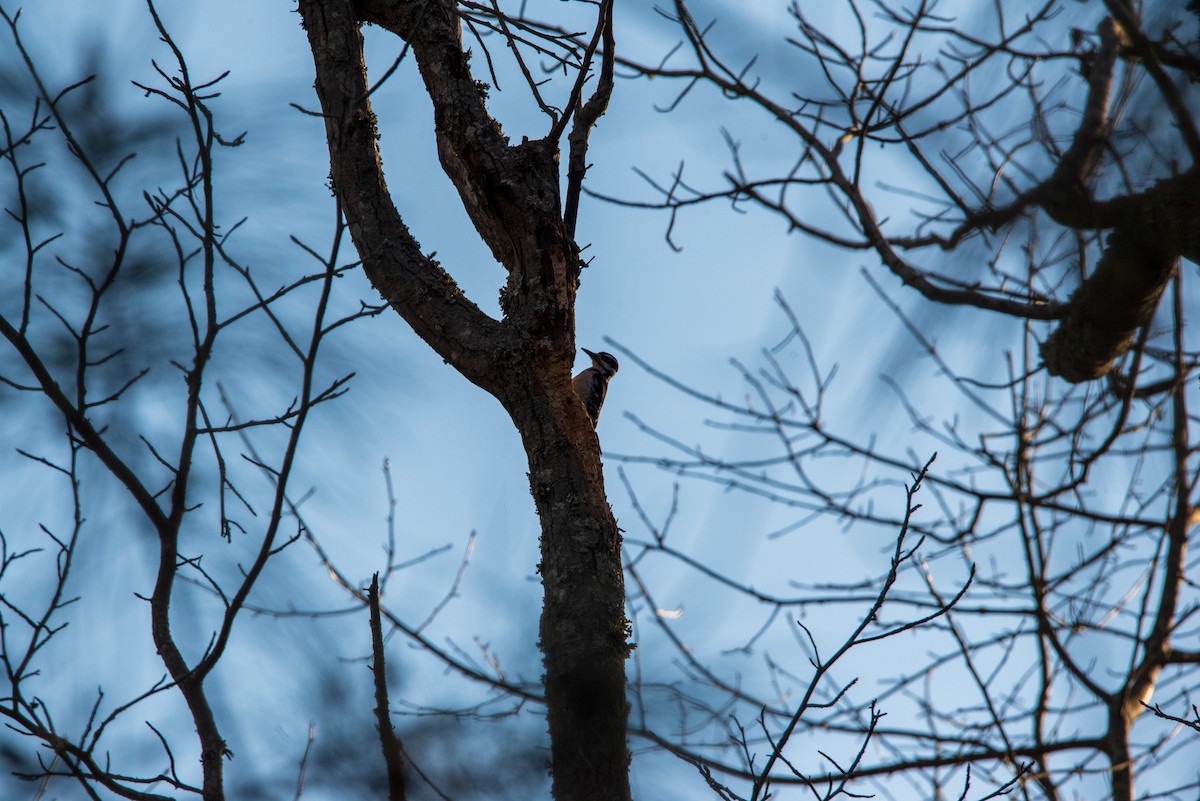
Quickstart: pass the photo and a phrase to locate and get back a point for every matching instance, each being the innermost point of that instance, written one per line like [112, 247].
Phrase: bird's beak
[588, 352]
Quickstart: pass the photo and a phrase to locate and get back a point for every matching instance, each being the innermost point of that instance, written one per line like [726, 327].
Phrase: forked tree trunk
[524, 360]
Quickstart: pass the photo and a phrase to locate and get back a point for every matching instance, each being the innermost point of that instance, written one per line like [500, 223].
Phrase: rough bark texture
[583, 630]
[1156, 228]
[511, 194]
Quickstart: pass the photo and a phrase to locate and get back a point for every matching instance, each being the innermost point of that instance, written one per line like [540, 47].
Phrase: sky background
[455, 461]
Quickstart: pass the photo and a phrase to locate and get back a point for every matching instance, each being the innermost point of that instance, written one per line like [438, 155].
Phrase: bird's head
[606, 363]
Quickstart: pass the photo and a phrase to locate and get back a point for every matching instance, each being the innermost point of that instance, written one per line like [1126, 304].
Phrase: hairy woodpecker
[591, 384]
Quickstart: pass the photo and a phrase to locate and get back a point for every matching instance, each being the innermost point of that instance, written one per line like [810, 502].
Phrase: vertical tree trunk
[583, 631]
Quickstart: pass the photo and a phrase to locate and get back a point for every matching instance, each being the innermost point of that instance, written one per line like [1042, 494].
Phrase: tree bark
[511, 193]
[1156, 228]
[583, 631]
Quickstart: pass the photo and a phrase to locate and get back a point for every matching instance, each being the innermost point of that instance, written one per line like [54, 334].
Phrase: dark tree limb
[510, 192]
[587, 115]
[393, 749]
[415, 285]
[1104, 313]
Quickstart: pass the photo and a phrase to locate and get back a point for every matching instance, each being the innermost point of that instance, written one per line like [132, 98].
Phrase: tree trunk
[511, 193]
[584, 631]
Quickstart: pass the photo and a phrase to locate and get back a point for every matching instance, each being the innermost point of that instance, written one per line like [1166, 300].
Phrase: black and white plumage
[592, 384]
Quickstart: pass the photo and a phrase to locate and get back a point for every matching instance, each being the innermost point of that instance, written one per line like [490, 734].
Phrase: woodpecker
[591, 383]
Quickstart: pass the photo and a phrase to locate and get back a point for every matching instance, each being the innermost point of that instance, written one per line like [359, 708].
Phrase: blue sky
[455, 460]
